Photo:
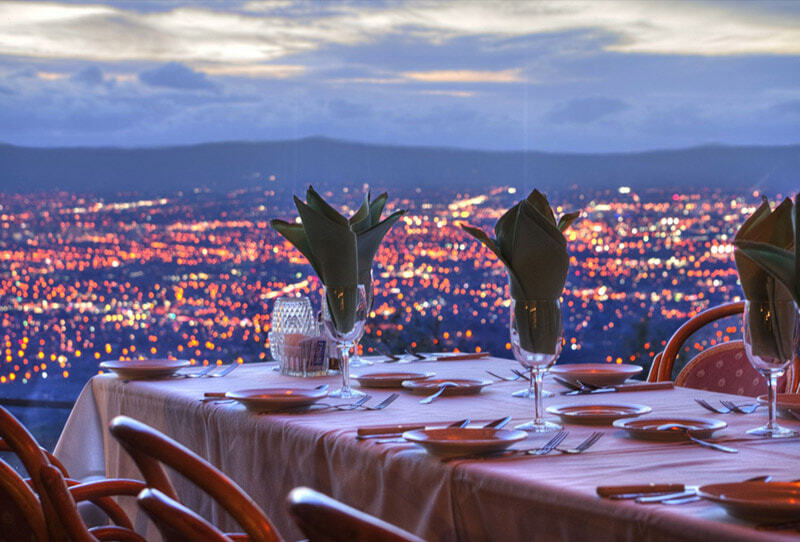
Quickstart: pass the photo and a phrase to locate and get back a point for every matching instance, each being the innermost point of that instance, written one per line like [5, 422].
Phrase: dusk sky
[546, 75]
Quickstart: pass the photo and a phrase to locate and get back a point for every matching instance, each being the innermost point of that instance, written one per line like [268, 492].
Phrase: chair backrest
[64, 496]
[175, 522]
[20, 441]
[323, 519]
[723, 368]
[662, 368]
[150, 448]
[21, 516]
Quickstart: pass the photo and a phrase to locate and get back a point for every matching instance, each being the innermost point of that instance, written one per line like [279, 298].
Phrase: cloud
[90, 75]
[229, 33]
[466, 76]
[586, 110]
[176, 76]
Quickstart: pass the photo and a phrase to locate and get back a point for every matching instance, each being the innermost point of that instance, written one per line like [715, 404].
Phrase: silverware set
[687, 431]
[208, 372]
[495, 424]
[728, 407]
[685, 495]
[549, 446]
[442, 388]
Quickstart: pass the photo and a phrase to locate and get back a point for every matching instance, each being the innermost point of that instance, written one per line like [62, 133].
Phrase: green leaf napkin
[340, 250]
[530, 243]
[781, 262]
[765, 234]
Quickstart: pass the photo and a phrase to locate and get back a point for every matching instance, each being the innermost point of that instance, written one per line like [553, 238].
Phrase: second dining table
[548, 497]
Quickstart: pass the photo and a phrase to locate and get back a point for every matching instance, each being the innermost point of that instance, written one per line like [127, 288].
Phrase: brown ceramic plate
[464, 440]
[389, 380]
[648, 428]
[596, 374]
[756, 501]
[144, 368]
[597, 414]
[463, 386]
[266, 399]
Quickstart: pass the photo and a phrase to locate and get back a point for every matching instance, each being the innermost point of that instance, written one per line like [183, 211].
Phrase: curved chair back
[323, 519]
[21, 517]
[662, 367]
[150, 448]
[175, 522]
[723, 368]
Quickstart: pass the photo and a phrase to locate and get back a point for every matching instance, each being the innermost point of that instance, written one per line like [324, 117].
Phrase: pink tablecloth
[549, 498]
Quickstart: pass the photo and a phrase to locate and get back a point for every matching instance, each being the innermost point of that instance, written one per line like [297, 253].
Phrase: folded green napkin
[781, 262]
[767, 233]
[340, 250]
[530, 243]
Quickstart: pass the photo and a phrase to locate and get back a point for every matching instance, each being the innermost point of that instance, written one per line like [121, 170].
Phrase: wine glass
[771, 338]
[349, 304]
[536, 332]
[356, 360]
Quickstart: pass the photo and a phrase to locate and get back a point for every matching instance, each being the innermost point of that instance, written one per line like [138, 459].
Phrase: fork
[226, 371]
[544, 449]
[583, 446]
[740, 409]
[383, 404]
[708, 406]
[442, 387]
[383, 350]
[200, 373]
[419, 357]
[504, 378]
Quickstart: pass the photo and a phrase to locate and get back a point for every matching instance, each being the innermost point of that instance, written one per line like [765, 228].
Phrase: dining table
[509, 498]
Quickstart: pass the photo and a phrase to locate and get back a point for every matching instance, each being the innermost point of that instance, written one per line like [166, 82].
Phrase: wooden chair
[665, 361]
[18, 440]
[323, 519]
[21, 516]
[64, 501]
[150, 448]
[723, 368]
[698, 372]
[175, 522]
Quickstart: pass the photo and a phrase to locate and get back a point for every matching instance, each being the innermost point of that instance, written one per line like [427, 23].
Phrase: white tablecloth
[549, 498]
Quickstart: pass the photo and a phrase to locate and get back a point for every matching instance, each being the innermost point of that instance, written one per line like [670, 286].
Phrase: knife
[639, 490]
[641, 386]
[388, 431]
[459, 356]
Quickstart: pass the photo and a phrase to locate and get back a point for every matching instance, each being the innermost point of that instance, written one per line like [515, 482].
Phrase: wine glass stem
[530, 382]
[344, 359]
[537, 393]
[772, 382]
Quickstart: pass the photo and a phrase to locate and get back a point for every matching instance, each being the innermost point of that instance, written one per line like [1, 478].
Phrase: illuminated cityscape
[193, 276]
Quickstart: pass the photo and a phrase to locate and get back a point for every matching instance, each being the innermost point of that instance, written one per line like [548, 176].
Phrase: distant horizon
[710, 144]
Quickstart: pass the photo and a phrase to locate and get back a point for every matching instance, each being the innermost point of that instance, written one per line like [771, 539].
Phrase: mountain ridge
[229, 165]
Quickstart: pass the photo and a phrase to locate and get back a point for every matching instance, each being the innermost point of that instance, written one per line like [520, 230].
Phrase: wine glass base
[346, 394]
[775, 431]
[358, 361]
[543, 426]
[526, 394]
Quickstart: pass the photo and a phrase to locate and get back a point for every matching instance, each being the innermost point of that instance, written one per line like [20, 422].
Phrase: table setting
[603, 446]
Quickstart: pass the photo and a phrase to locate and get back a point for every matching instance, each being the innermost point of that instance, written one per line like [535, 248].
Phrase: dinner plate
[464, 440]
[463, 386]
[784, 403]
[597, 414]
[389, 380]
[647, 428]
[144, 368]
[596, 374]
[266, 399]
[756, 501]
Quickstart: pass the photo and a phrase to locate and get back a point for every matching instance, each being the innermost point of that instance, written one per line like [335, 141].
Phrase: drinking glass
[771, 338]
[356, 360]
[542, 323]
[289, 315]
[351, 305]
